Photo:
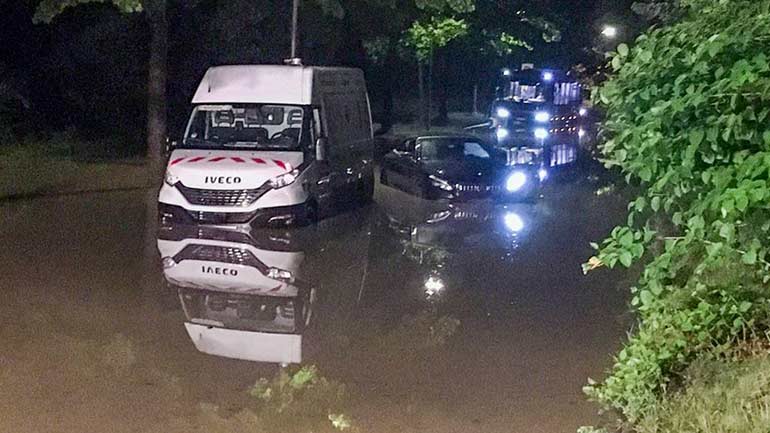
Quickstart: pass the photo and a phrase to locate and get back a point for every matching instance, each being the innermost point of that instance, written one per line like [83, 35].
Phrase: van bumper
[264, 217]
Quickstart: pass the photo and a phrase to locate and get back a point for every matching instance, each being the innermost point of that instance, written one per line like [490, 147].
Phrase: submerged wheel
[311, 213]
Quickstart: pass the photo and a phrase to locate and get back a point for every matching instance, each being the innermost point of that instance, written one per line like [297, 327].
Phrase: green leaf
[626, 258]
[623, 50]
[696, 137]
[655, 203]
[750, 257]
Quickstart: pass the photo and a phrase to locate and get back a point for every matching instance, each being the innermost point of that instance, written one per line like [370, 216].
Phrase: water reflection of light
[513, 222]
[434, 286]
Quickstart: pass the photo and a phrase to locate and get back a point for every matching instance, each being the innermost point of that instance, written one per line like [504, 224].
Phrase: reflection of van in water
[270, 145]
[241, 291]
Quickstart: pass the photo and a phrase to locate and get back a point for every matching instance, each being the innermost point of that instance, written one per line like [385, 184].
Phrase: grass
[720, 396]
[31, 167]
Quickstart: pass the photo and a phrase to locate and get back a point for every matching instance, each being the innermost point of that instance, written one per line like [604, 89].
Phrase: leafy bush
[687, 116]
[301, 400]
[720, 397]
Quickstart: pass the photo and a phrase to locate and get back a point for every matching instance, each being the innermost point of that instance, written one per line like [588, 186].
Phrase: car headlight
[515, 181]
[513, 222]
[440, 183]
[542, 116]
[280, 274]
[284, 180]
[502, 133]
[583, 111]
[170, 179]
[541, 133]
[503, 113]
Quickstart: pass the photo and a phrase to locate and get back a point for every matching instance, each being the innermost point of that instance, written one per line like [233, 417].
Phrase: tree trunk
[443, 89]
[156, 84]
[430, 90]
[421, 86]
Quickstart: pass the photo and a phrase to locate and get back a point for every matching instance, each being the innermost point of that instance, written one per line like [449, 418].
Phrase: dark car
[457, 168]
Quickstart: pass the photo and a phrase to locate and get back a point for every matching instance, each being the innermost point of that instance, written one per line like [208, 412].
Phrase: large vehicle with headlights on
[538, 118]
[270, 145]
[457, 168]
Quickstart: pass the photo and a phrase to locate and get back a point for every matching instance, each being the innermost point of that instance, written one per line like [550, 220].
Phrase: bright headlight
[513, 222]
[280, 274]
[170, 179]
[440, 183]
[516, 181]
[502, 133]
[283, 180]
[542, 116]
[583, 111]
[503, 113]
[541, 133]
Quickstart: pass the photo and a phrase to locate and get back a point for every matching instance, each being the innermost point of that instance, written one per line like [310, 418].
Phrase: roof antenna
[294, 60]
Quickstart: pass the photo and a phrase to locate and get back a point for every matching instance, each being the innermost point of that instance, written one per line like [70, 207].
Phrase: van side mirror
[169, 146]
[320, 149]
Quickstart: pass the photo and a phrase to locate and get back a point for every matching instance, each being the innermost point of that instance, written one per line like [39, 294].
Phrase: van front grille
[222, 197]
[221, 254]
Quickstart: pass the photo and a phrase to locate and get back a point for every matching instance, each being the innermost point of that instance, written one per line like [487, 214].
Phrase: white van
[270, 145]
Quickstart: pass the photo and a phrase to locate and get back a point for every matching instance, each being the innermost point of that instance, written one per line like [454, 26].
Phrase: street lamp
[610, 32]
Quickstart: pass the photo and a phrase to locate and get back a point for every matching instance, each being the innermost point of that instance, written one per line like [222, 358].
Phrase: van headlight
[171, 179]
[280, 274]
[440, 183]
[541, 133]
[515, 181]
[284, 180]
[502, 133]
[503, 113]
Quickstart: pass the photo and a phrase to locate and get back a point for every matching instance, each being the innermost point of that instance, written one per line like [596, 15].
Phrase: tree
[687, 115]
[155, 11]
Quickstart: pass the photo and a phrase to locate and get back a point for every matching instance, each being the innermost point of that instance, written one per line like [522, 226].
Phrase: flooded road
[430, 318]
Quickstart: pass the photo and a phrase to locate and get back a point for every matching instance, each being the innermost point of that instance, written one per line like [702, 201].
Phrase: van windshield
[246, 126]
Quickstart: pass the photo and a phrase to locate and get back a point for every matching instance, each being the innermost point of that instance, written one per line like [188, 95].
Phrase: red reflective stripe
[176, 161]
[259, 160]
[237, 159]
[217, 159]
[280, 164]
[197, 158]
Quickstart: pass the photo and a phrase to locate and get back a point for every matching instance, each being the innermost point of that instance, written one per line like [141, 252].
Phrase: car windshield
[246, 126]
[449, 149]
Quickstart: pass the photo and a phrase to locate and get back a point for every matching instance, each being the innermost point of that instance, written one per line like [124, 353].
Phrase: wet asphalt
[436, 318]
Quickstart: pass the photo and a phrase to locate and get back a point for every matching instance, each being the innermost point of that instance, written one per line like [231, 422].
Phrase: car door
[398, 165]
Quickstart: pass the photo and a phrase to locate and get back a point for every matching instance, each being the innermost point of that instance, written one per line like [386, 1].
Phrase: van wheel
[311, 214]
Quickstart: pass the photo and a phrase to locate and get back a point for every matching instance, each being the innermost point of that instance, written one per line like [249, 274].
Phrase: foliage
[426, 37]
[443, 6]
[505, 44]
[301, 398]
[550, 33]
[721, 396]
[47, 10]
[687, 116]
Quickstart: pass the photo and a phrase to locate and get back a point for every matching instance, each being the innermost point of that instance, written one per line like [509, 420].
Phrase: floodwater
[430, 318]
